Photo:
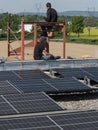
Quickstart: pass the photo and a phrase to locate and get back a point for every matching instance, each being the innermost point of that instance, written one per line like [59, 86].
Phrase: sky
[16, 6]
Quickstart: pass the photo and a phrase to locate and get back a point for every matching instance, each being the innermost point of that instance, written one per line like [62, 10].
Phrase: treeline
[74, 24]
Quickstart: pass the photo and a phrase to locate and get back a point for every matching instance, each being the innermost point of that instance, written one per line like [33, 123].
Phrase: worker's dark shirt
[38, 50]
[51, 15]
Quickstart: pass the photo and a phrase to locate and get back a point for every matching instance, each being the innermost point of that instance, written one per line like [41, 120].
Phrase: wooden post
[22, 38]
[64, 41]
[8, 37]
[48, 43]
[35, 33]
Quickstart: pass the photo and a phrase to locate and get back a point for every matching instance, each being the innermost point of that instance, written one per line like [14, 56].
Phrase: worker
[52, 16]
[41, 48]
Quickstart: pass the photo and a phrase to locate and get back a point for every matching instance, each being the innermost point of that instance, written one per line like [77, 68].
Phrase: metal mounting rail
[47, 64]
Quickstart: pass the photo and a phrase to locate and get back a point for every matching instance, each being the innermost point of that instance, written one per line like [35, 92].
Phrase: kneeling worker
[41, 48]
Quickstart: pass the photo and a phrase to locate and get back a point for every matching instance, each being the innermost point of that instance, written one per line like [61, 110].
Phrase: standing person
[41, 48]
[52, 16]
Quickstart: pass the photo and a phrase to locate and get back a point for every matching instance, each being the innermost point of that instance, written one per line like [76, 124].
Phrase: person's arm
[45, 52]
[48, 18]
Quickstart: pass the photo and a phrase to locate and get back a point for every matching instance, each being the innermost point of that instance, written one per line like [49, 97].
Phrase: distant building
[27, 27]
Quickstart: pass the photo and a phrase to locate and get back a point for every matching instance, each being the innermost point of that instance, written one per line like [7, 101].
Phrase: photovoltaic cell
[87, 120]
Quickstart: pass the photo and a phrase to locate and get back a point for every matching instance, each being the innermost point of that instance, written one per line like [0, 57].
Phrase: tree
[90, 22]
[30, 18]
[13, 19]
[78, 24]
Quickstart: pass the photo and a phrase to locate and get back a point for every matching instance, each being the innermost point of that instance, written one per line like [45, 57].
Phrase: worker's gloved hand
[57, 57]
[48, 57]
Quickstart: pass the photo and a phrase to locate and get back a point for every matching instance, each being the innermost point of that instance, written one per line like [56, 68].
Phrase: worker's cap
[42, 39]
[48, 4]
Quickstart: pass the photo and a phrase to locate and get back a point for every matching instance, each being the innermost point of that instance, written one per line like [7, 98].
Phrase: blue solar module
[6, 75]
[77, 121]
[72, 72]
[93, 71]
[68, 85]
[34, 85]
[28, 123]
[27, 103]
[7, 88]
[22, 74]
[31, 74]
[5, 108]
[87, 120]
[50, 85]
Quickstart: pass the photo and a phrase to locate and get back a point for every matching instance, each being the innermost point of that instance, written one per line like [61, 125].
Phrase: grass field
[87, 37]
[92, 34]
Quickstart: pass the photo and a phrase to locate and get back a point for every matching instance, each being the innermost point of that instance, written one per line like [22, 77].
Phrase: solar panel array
[50, 85]
[32, 74]
[27, 81]
[23, 94]
[87, 120]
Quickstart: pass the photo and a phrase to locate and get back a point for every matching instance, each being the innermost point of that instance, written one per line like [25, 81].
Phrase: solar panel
[28, 123]
[33, 85]
[5, 108]
[78, 120]
[22, 74]
[87, 120]
[68, 85]
[72, 72]
[27, 103]
[6, 75]
[50, 85]
[93, 71]
[7, 88]
[31, 74]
